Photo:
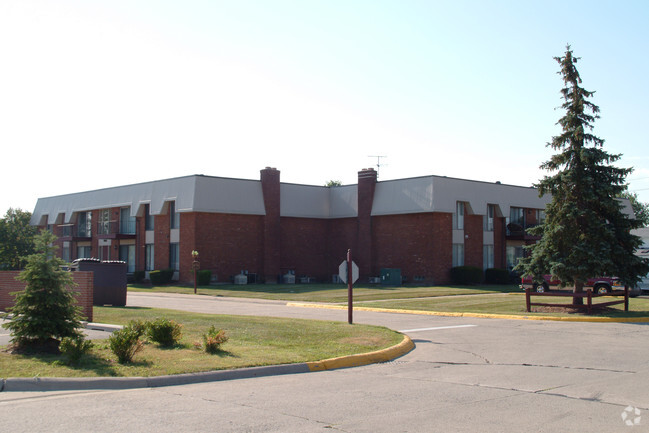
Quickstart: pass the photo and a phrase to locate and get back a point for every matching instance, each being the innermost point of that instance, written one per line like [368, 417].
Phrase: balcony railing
[114, 228]
[520, 230]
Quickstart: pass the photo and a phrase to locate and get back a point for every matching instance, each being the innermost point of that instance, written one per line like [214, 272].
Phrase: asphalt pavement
[465, 374]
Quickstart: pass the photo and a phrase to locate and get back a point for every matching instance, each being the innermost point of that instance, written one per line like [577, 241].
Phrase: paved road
[465, 375]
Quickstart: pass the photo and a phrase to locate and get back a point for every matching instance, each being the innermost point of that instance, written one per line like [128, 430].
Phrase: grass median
[254, 341]
[330, 293]
[510, 304]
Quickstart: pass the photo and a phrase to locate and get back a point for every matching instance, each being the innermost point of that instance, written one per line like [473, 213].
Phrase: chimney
[272, 242]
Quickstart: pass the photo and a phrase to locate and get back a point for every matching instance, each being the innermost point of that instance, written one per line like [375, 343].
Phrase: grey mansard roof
[198, 193]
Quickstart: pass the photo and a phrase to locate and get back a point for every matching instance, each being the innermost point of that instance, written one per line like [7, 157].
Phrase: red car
[598, 285]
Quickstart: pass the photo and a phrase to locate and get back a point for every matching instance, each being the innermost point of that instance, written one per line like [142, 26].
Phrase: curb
[22, 384]
[477, 315]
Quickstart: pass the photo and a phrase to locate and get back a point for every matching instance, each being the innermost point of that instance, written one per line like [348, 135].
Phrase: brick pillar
[272, 241]
[363, 254]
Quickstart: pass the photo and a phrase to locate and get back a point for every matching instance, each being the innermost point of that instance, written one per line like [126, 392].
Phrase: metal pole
[350, 307]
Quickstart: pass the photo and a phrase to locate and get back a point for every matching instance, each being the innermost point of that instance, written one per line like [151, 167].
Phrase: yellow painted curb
[478, 315]
[364, 358]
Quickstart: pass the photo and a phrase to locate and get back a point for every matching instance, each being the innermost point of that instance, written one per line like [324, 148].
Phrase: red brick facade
[83, 291]
[270, 245]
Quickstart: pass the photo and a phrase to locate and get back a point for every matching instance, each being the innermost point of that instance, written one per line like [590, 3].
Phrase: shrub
[125, 343]
[213, 339]
[497, 276]
[165, 332]
[466, 275]
[139, 326]
[204, 277]
[160, 277]
[73, 348]
[138, 276]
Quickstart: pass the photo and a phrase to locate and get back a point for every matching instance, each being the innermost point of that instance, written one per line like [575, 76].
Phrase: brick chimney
[272, 242]
[366, 186]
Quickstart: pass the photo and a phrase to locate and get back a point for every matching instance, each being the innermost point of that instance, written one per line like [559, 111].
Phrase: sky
[95, 94]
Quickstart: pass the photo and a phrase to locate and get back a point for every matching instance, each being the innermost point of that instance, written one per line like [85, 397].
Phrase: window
[84, 228]
[488, 225]
[488, 256]
[540, 216]
[148, 218]
[458, 255]
[103, 227]
[174, 262]
[127, 254]
[149, 258]
[458, 216]
[174, 216]
[84, 252]
[66, 230]
[514, 254]
[126, 221]
[517, 216]
[65, 252]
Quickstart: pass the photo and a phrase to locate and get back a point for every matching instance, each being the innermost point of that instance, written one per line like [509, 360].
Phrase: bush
[160, 277]
[139, 326]
[204, 277]
[165, 332]
[138, 276]
[125, 343]
[213, 339]
[497, 276]
[73, 348]
[466, 275]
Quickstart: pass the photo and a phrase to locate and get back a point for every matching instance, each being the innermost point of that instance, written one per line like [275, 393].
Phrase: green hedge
[204, 277]
[160, 277]
[497, 276]
[466, 275]
[138, 276]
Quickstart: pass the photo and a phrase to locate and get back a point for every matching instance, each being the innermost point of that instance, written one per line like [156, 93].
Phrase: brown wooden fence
[588, 294]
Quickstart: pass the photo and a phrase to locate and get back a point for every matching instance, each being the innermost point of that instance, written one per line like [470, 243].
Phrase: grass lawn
[254, 341]
[508, 304]
[333, 293]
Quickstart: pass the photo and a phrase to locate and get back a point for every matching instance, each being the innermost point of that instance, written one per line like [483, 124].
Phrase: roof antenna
[378, 162]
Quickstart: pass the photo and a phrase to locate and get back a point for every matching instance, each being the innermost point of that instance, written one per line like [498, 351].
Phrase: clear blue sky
[99, 94]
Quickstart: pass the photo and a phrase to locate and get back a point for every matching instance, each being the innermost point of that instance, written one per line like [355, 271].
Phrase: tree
[585, 233]
[332, 182]
[16, 238]
[640, 209]
[45, 312]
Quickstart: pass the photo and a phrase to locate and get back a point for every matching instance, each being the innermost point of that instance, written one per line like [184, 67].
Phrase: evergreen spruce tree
[585, 233]
[45, 312]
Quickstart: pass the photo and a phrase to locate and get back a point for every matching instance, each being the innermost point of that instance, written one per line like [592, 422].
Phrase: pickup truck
[598, 285]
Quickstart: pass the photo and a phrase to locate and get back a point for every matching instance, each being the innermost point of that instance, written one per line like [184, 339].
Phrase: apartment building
[267, 229]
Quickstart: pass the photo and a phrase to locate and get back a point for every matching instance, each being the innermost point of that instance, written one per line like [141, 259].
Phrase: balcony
[519, 232]
[75, 232]
[116, 230]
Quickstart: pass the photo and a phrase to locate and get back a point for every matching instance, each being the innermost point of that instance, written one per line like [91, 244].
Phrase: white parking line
[438, 327]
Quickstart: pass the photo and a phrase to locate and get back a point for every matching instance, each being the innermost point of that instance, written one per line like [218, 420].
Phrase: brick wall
[83, 290]
[418, 244]
[161, 249]
[473, 240]
[226, 243]
[304, 248]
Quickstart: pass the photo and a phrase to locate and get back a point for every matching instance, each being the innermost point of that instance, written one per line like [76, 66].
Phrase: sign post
[348, 273]
[350, 282]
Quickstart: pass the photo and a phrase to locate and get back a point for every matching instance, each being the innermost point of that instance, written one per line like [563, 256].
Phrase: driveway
[470, 375]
